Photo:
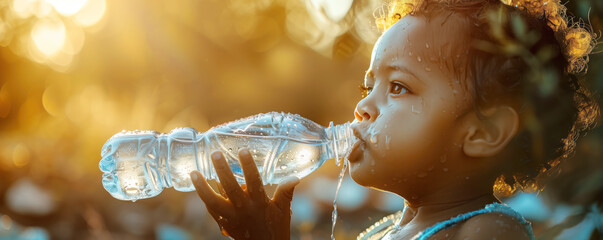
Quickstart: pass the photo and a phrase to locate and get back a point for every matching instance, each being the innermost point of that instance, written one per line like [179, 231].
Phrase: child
[461, 100]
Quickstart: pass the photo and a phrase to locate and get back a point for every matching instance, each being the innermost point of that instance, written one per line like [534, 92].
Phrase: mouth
[358, 147]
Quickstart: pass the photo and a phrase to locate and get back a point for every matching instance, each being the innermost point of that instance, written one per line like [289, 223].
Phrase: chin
[362, 175]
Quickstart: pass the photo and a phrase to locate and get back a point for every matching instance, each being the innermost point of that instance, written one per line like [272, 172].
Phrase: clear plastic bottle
[139, 164]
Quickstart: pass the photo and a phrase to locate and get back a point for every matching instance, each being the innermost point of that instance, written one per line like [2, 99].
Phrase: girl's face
[409, 122]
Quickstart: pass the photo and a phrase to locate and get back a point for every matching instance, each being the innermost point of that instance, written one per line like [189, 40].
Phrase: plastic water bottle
[139, 164]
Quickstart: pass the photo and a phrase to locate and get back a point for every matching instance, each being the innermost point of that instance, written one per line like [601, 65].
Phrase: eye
[397, 88]
[365, 91]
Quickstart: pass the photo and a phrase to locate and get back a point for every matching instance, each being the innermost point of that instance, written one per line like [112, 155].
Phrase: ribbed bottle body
[140, 164]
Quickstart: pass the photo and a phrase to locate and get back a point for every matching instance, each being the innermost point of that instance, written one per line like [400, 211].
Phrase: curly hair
[532, 51]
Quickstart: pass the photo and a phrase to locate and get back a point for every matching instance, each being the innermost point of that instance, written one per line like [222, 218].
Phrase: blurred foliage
[68, 83]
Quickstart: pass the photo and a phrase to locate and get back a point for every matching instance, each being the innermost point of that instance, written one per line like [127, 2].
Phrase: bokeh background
[75, 72]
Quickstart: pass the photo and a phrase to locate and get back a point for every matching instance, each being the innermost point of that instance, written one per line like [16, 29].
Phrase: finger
[222, 192]
[212, 200]
[215, 185]
[227, 180]
[255, 187]
[284, 193]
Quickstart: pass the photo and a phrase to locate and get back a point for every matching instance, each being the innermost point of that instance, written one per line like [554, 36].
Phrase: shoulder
[492, 226]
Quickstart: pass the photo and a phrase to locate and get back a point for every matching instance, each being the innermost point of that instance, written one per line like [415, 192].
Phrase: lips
[358, 147]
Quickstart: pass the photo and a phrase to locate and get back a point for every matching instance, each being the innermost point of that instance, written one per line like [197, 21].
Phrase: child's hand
[246, 213]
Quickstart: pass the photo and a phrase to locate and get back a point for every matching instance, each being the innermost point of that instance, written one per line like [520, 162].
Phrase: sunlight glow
[49, 36]
[67, 7]
[91, 13]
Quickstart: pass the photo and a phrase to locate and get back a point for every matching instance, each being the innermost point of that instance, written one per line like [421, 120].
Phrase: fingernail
[194, 176]
[216, 155]
[245, 151]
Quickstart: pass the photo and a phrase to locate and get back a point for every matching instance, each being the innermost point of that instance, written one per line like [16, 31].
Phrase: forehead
[440, 38]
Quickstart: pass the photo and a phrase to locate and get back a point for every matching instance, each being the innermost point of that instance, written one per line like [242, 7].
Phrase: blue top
[385, 228]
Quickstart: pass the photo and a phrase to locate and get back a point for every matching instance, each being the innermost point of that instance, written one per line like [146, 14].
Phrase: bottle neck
[341, 139]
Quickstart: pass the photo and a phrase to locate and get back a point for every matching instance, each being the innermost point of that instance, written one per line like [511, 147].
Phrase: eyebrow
[392, 67]
[400, 68]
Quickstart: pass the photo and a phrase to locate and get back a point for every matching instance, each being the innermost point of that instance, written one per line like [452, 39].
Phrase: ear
[488, 136]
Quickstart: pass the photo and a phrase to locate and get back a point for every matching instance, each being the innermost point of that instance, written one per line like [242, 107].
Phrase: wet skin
[421, 138]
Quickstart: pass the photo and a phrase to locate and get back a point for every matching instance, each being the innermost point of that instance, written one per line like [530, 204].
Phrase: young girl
[463, 100]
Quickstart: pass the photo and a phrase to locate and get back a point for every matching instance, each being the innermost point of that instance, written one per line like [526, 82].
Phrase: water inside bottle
[275, 157]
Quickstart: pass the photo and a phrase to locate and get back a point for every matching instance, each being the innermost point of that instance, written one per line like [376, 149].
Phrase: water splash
[419, 59]
[334, 214]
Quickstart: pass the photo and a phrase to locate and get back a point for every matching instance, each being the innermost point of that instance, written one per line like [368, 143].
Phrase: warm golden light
[49, 36]
[20, 155]
[67, 7]
[91, 13]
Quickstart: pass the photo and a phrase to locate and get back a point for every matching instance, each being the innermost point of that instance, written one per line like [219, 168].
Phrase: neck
[449, 202]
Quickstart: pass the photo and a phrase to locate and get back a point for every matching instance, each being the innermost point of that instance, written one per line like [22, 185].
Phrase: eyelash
[365, 91]
[392, 84]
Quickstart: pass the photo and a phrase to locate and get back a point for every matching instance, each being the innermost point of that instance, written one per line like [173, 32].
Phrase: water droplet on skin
[422, 175]
[443, 159]
[409, 53]
[477, 230]
[372, 162]
[430, 168]
[426, 45]
[445, 169]
[427, 69]
[413, 110]
[247, 234]
[417, 108]
[414, 197]
[467, 178]
[373, 171]
[387, 139]
[419, 59]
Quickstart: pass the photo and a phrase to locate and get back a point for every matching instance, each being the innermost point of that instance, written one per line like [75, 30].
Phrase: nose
[365, 111]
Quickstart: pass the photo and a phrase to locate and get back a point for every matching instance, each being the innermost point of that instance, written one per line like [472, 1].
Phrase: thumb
[284, 192]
